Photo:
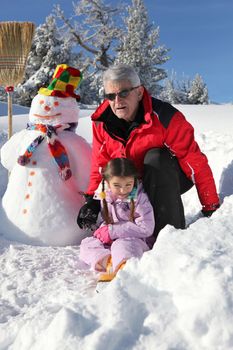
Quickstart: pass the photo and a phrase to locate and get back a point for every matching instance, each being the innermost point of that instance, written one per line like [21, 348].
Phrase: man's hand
[88, 213]
[207, 211]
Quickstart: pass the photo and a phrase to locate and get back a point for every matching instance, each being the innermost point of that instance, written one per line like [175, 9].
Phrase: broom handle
[9, 90]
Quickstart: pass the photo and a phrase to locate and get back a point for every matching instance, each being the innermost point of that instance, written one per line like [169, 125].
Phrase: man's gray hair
[121, 72]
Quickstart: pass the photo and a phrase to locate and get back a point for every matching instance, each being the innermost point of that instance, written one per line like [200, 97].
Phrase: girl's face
[121, 186]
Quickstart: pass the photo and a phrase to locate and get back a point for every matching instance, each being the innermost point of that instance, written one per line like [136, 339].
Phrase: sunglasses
[122, 94]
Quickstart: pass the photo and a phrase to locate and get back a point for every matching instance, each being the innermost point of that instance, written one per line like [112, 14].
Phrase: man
[157, 137]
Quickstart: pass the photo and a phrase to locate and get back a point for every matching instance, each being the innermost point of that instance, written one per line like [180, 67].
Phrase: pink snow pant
[92, 250]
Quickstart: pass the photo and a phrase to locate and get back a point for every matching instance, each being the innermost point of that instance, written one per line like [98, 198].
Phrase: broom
[15, 45]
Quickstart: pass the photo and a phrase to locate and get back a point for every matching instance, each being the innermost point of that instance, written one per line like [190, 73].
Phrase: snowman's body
[38, 203]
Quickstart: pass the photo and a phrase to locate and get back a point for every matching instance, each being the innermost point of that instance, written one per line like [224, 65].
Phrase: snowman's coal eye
[41, 102]
[56, 103]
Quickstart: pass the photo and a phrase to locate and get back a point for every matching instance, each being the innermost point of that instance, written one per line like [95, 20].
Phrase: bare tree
[93, 30]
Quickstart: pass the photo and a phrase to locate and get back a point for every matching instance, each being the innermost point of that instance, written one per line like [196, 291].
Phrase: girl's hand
[102, 234]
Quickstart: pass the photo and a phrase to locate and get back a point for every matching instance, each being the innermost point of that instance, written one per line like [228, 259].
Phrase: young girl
[127, 220]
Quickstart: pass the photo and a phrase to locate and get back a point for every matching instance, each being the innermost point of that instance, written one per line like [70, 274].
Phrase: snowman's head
[53, 110]
[57, 104]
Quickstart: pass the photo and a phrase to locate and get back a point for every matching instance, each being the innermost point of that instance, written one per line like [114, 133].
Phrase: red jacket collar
[146, 100]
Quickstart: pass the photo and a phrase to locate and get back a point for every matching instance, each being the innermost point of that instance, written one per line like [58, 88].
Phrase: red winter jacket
[163, 126]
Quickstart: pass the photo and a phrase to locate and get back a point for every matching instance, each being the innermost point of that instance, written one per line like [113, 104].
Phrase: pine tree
[48, 50]
[170, 93]
[183, 87]
[198, 93]
[138, 47]
[185, 90]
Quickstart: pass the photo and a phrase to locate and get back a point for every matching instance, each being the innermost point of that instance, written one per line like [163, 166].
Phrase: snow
[178, 296]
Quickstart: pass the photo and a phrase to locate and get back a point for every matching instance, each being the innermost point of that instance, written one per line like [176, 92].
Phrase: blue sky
[199, 35]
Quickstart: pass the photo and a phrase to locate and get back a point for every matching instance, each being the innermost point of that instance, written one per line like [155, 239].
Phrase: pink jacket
[119, 211]
[129, 238]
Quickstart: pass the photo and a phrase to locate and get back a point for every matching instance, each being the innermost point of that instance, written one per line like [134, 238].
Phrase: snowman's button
[27, 196]
[25, 211]
[34, 162]
[32, 173]
[29, 183]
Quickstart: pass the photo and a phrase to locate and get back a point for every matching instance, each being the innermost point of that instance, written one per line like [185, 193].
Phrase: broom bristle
[15, 45]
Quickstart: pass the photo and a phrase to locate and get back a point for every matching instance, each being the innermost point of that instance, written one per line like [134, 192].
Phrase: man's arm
[181, 142]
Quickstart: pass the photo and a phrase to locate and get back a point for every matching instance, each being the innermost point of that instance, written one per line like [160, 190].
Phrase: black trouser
[164, 182]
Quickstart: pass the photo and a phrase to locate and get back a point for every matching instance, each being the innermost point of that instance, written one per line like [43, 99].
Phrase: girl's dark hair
[118, 167]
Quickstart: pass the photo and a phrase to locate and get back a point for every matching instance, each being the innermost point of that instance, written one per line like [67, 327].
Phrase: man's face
[124, 107]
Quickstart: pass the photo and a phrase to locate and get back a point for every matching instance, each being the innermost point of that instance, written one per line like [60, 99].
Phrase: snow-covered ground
[179, 296]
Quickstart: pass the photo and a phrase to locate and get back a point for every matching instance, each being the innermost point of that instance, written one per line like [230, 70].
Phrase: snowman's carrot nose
[47, 108]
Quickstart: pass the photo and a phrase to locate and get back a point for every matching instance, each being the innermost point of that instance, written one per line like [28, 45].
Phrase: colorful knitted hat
[65, 80]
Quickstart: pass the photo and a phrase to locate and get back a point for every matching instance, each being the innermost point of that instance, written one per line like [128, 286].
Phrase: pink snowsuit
[129, 238]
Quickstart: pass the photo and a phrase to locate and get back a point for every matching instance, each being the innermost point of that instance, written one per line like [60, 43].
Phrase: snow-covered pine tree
[49, 48]
[185, 90]
[138, 47]
[169, 92]
[3, 95]
[198, 93]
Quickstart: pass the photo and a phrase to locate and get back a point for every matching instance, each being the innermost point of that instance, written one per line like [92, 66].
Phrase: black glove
[88, 213]
[209, 212]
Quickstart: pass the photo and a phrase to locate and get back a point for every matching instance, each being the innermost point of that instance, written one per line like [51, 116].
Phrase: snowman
[49, 167]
